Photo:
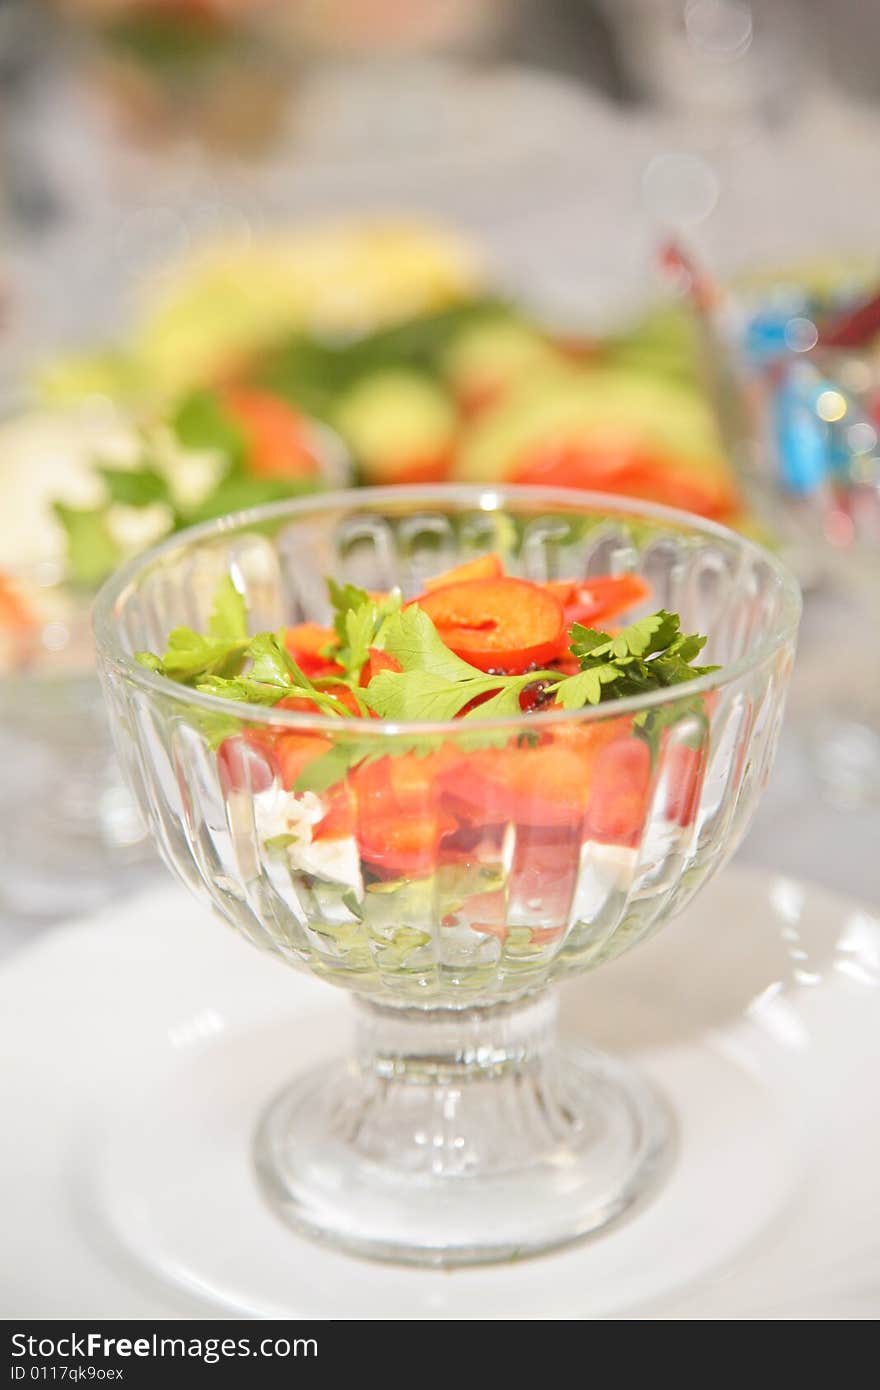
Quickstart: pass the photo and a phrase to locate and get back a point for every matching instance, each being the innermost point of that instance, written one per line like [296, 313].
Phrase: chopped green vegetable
[135, 487]
[92, 553]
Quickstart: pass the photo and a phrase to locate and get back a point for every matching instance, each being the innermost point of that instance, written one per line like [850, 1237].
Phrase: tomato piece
[547, 786]
[403, 847]
[497, 624]
[15, 614]
[340, 818]
[378, 661]
[276, 435]
[246, 762]
[628, 470]
[306, 643]
[400, 819]
[417, 468]
[619, 787]
[293, 752]
[404, 783]
[686, 768]
[484, 567]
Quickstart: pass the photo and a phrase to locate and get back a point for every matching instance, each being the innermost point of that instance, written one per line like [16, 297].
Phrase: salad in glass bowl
[443, 747]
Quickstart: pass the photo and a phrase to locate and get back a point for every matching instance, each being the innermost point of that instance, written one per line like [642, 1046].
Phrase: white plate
[141, 1046]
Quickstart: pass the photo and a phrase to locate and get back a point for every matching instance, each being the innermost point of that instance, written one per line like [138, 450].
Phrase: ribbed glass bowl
[461, 1130]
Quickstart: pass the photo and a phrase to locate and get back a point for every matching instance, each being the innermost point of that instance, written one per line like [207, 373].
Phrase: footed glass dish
[450, 875]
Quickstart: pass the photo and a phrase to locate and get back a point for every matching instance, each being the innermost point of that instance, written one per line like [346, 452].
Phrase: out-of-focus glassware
[69, 823]
[727, 65]
[71, 828]
[461, 1131]
[816, 409]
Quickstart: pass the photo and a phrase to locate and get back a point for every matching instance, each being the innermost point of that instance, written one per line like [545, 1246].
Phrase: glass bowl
[72, 833]
[463, 869]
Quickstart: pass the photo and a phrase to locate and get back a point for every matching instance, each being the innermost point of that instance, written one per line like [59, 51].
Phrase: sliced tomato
[484, 567]
[497, 624]
[619, 788]
[628, 470]
[276, 435]
[307, 644]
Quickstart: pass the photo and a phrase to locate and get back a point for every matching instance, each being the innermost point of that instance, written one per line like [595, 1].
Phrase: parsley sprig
[256, 670]
[435, 684]
[358, 622]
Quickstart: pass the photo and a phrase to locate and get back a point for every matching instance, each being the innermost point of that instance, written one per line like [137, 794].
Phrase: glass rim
[484, 497]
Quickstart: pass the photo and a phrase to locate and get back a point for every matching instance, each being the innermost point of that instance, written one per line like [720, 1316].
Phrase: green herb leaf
[251, 692]
[359, 622]
[151, 662]
[269, 661]
[228, 620]
[413, 639]
[648, 655]
[651, 723]
[190, 657]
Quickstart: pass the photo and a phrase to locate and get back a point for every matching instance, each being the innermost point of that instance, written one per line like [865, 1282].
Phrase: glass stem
[453, 1047]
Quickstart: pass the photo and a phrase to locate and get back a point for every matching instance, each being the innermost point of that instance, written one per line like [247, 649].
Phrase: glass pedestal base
[458, 1137]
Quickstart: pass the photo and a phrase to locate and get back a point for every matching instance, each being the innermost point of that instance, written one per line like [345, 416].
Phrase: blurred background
[391, 218]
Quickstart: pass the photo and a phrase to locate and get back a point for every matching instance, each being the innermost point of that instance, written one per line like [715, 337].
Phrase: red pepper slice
[497, 624]
[594, 601]
[484, 567]
[306, 643]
